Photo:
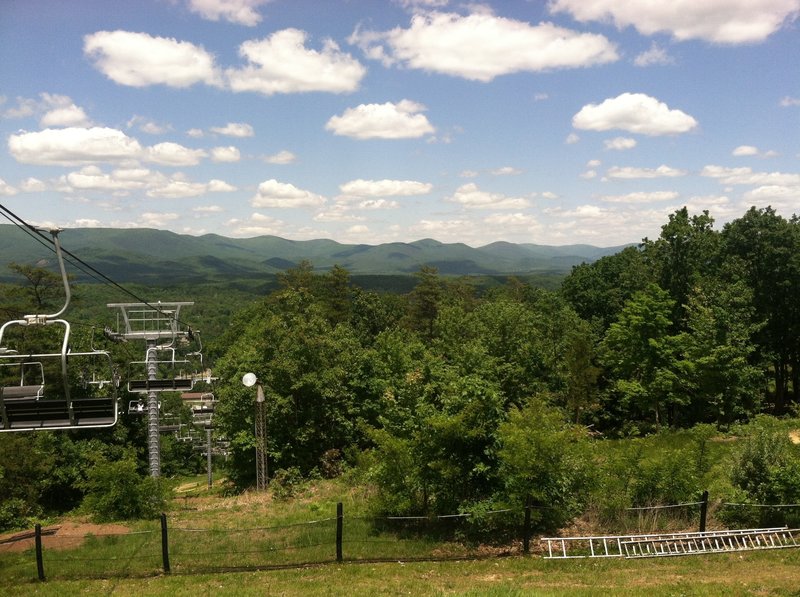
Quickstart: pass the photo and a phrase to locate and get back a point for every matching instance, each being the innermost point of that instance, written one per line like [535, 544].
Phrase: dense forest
[458, 398]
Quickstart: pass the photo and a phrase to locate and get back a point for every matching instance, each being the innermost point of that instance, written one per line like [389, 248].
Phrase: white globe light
[249, 379]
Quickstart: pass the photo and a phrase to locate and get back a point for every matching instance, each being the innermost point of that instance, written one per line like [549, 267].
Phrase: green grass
[256, 543]
[762, 573]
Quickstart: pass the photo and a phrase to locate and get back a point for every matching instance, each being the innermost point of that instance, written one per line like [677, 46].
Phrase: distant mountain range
[146, 255]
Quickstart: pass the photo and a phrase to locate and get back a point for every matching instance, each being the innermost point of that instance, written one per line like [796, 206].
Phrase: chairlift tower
[157, 325]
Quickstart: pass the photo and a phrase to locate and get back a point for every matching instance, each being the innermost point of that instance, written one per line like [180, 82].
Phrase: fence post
[39, 561]
[339, 518]
[703, 511]
[164, 543]
[526, 527]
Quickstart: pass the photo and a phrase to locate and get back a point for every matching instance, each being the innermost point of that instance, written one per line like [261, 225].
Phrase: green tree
[598, 291]
[683, 254]
[642, 356]
[424, 301]
[766, 250]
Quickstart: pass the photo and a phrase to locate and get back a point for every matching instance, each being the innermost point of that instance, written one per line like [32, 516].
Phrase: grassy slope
[760, 573]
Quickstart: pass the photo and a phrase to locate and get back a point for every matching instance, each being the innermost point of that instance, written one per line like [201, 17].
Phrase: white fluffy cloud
[471, 197]
[482, 46]
[641, 197]
[662, 171]
[225, 154]
[746, 176]
[272, 193]
[745, 150]
[384, 188]
[281, 158]
[241, 12]
[635, 113]
[173, 154]
[620, 143]
[402, 120]
[71, 115]
[6, 189]
[139, 59]
[281, 63]
[73, 146]
[718, 21]
[180, 189]
[234, 129]
[92, 178]
[654, 56]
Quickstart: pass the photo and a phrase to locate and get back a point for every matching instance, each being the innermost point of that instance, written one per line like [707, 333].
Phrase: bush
[547, 459]
[116, 491]
[765, 470]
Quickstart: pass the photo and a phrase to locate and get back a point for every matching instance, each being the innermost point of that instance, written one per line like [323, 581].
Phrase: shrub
[116, 491]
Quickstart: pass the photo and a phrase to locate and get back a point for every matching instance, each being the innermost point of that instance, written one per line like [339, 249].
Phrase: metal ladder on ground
[670, 544]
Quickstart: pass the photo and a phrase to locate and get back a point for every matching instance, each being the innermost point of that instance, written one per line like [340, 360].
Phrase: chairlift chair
[36, 388]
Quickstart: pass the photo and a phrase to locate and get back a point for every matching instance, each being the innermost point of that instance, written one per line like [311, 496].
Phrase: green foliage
[115, 490]
[546, 459]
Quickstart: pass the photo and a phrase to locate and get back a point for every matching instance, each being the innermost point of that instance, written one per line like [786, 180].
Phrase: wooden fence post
[339, 525]
[703, 511]
[164, 543]
[39, 560]
[526, 528]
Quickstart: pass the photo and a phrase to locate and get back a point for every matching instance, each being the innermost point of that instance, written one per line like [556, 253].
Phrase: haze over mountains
[146, 254]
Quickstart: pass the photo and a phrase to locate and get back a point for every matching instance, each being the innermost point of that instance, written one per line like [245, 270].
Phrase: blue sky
[369, 121]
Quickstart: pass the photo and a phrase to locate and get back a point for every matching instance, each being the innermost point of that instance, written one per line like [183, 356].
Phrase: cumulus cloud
[787, 101]
[471, 197]
[620, 143]
[173, 154]
[241, 12]
[147, 126]
[778, 196]
[281, 158]
[718, 21]
[384, 188]
[482, 46]
[745, 150]
[272, 193]
[225, 154]
[281, 63]
[139, 60]
[506, 171]
[73, 146]
[180, 189]
[92, 178]
[631, 173]
[746, 176]
[6, 189]
[71, 115]
[655, 56]
[635, 113]
[750, 150]
[641, 197]
[32, 185]
[402, 120]
[234, 129]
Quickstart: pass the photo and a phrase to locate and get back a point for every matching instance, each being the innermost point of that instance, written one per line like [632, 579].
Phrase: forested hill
[147, 255]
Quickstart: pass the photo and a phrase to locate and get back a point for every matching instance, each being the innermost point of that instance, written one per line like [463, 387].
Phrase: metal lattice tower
[156, 325]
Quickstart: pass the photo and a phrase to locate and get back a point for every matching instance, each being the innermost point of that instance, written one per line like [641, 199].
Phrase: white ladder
[670, 544]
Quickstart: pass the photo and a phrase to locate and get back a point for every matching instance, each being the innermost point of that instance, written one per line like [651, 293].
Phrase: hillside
[144, 255]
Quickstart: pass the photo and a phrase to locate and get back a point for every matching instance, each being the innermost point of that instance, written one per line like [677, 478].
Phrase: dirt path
[66, 535]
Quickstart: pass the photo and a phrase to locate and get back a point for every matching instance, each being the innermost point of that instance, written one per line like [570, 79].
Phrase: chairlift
[62, 389]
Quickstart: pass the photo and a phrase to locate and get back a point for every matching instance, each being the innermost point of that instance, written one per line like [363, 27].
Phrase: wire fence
[194, 547]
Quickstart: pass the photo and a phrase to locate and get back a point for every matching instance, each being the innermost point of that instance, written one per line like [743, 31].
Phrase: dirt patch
[67, 535]
[795, 436]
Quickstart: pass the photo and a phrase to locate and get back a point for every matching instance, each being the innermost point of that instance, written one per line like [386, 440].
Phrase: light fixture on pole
[262, 470]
